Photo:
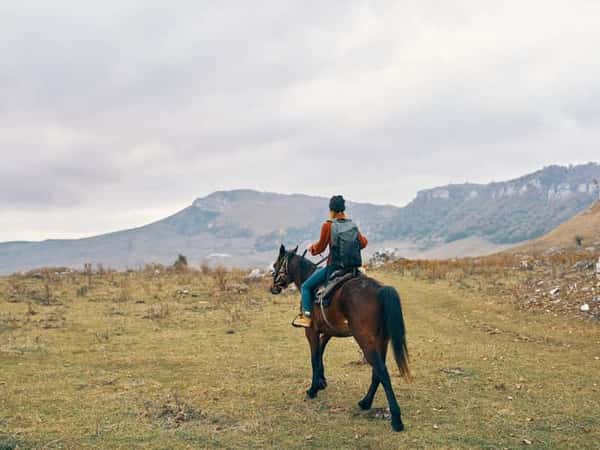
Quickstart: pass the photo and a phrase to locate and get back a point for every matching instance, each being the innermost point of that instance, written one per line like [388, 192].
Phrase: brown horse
[361, 308]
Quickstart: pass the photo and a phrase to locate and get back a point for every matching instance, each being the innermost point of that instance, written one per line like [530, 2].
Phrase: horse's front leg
[324, 339]
[315, 359]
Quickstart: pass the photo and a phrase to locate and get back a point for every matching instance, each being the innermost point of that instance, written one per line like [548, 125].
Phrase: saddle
[324, 293]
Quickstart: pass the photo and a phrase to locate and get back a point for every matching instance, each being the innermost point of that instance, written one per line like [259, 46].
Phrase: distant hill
[583, 230]
[241, 227]
[245, 227]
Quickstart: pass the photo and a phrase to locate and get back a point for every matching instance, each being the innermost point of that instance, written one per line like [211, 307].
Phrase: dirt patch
[172, 411]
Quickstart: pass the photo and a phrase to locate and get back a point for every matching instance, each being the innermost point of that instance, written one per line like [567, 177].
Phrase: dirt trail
[514, 377]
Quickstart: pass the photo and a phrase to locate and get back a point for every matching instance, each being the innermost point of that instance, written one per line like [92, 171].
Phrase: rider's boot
[302, 321]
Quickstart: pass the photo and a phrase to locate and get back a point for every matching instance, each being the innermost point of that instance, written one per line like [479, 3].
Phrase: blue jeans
[318, 277]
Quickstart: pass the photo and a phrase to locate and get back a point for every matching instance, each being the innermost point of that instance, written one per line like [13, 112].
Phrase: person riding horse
[345, 242]
[361, 307]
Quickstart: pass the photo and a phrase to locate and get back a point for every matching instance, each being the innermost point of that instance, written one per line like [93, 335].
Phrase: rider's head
[337, 205]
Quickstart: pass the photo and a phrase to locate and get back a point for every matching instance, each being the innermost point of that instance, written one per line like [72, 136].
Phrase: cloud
[121, 105]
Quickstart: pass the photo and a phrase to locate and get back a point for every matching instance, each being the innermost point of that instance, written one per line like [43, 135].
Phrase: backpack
[345, 246]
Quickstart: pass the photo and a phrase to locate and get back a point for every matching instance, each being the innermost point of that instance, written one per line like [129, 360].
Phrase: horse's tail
[394, 323]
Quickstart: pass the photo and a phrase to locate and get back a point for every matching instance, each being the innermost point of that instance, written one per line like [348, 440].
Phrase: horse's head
[281, 270]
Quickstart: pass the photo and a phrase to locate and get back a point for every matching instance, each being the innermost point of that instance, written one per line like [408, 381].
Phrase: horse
[361, 308]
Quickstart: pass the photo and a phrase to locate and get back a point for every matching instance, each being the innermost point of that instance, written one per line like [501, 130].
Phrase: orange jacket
[325, 239]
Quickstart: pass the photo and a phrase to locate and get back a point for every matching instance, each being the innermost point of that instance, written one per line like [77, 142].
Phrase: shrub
[125, 293]
[205, 268]
[87, 269]
[157, 312]
[220, 275]
[181, 264]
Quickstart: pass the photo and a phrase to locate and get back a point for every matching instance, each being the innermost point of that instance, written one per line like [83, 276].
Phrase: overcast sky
[117, 113]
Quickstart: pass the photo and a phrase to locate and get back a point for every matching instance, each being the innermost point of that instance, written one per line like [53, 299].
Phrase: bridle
[282, 272]
[281, 276]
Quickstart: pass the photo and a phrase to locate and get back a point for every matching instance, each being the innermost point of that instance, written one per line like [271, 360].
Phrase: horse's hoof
[364, 405]
[397, 424]
[312, 393]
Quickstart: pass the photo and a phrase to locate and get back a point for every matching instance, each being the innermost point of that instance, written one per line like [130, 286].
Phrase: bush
[181, 264]
[220, 275]
[205, 268]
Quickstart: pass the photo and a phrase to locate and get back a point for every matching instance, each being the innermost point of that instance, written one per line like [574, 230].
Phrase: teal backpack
[345, 245]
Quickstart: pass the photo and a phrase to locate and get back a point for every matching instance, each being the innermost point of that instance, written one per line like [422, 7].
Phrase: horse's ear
[295, 250]
[281, 249]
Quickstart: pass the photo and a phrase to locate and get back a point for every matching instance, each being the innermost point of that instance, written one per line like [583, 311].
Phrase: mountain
[241, 227]
[245, 227]
[583, 230]
[502, 213]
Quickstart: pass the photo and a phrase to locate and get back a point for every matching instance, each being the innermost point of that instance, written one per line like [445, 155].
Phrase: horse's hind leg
[374, 357]
[384, 376]
[367, 401]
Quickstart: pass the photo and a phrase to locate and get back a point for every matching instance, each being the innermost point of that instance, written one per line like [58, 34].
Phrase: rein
[322, 261]
[282, 275]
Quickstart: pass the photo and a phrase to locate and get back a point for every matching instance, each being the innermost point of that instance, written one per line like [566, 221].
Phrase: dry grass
[223, 368]
[524, 280]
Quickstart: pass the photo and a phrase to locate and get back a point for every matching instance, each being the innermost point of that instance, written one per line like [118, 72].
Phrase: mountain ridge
[249, 224]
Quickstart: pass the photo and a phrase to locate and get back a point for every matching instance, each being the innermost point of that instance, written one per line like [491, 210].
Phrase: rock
[255, 274]
[380, 257]
[584, 265]
[453, 370]
[555, 291]
[237, 287]
[584, 308]
[526, 265]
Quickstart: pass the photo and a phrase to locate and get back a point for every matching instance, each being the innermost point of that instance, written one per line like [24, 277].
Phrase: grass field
[193, 360]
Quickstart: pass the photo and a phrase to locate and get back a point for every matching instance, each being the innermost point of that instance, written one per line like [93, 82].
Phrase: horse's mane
[305, 265]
